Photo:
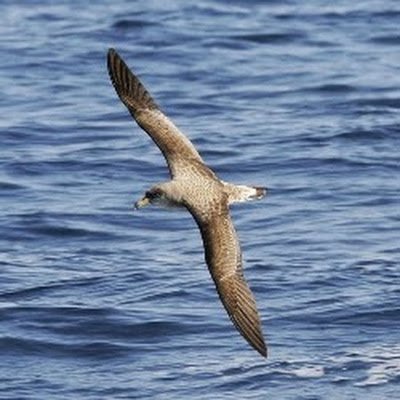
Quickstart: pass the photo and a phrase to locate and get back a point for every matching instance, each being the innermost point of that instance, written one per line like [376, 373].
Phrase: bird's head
[161, 195]
[152, 196]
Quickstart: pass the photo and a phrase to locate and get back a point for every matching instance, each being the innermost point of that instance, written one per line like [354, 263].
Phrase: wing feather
[172, 142]
[223, 257]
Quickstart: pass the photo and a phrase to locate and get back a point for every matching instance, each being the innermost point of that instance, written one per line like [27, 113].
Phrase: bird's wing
[224, 260]
[172, 142]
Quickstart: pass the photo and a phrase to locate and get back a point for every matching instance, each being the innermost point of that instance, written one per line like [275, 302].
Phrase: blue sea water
[100, 302]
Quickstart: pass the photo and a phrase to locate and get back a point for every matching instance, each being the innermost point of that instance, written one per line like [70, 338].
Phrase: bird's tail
[241, 193]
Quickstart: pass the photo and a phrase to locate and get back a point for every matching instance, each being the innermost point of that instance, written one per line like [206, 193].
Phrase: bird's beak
[142, 203]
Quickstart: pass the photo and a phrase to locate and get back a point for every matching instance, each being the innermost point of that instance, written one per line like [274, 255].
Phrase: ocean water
[98, 301]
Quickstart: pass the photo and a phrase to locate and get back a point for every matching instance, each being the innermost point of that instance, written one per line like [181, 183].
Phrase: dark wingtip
[261, 192]
[263, 351]
[259, 345]
[240, 304]
[110, 54]
[127, 85]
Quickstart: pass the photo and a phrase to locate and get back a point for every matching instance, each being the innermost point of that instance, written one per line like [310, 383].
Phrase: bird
[195, 187]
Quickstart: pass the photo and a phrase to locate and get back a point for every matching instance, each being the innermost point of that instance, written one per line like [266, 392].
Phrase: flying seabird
[196, 187]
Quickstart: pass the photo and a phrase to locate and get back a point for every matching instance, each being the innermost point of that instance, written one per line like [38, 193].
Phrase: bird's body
[196, 187]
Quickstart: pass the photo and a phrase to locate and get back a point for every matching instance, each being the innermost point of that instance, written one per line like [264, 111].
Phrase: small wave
[271, 38]
[8, 186]
[384, 316]
[388, 14]
[224, 43]
[392, 40]
[55, 225]
[380, 102]
[40, 290]
[61, 231]
[381, 364]
[46, 348]
[91, 324]
[360, 134]
[330, 88]
[129, 24]
[56, 231]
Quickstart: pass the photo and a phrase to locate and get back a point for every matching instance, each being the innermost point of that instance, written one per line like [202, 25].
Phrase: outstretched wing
[172, 142]
[224, 260]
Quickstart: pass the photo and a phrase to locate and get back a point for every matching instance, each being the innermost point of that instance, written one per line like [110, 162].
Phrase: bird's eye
[153, 194]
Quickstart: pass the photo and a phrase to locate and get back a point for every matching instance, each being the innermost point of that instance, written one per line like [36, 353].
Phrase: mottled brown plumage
[206, 197]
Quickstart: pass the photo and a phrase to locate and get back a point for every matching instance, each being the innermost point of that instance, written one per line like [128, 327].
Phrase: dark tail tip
[260, 192]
